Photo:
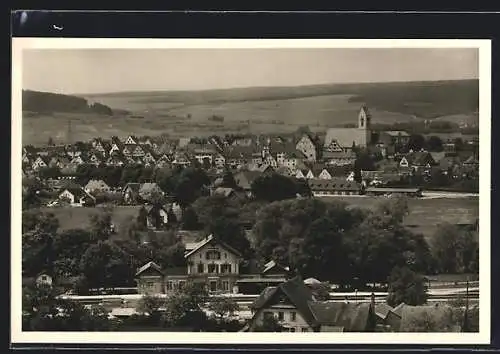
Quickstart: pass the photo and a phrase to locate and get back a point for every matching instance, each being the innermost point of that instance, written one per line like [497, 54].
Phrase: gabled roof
[398, 310]
[78, 192]
[272, 264]
[419, 158]
[353, 317]
[296, 292]
[211, 239]
[382, 309]
[223, 191]
[147, 266]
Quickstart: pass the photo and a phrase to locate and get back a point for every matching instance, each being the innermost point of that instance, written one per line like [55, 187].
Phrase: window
[182, 283]
[225, 255]
[305, 329]
[225, 268]
[292, 329]
[281, 316]
[213, 285]
[293, 316]
[212, 255]
[169, 285]
[212, 268]
[201, 268]
[225, 285]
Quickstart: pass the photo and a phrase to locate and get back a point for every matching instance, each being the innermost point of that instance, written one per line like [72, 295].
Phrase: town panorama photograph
[250, 189]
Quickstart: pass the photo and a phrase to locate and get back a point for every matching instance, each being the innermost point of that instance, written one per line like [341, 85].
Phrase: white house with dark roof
[295, 308]
[96, 185]
[77, 196]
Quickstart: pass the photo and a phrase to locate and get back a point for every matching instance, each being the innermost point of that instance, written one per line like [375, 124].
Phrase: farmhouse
[95, 185]
[77, 196]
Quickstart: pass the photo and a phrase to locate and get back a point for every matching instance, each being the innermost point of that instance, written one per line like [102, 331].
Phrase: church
[345, 138]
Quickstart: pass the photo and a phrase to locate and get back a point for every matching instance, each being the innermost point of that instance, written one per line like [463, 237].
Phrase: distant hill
[47, 102]
[423, 99]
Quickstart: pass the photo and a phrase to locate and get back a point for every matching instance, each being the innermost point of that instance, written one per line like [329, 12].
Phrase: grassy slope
[319, 106]
[426, 214]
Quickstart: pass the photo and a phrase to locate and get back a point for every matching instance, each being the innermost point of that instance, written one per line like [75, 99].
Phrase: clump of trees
[94, 256]
[406, 286]
[335, 243]
[274, 187]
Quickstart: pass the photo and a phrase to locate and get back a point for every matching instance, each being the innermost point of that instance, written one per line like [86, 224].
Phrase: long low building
[381, 191]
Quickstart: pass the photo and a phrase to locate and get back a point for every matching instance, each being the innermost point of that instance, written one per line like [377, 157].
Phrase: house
[157, 216]
[135, 193]
[244, 180]
[181, 159]
[383, 313]
[209, 261]
[131, 140]
[95, 185]
[39, 163]
[215, 263]
[100, 146]
[347, 137]
[59, 162]
[294, 306]
[96, 158]
[77, 160]
[115, 159]
[334, 186]
[77, 196]
[306, 145]
[339, 158]
[116, 146]
[396, 139]
[417, 160]
[219, 161]
[149, 279]
[271, 274]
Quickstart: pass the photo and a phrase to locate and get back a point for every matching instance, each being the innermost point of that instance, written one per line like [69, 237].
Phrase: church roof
[345, 137]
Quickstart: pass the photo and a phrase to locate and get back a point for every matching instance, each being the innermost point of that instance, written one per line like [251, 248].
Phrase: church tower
[364, 123]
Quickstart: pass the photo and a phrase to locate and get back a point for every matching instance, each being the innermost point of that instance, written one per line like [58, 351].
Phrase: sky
[80, 71]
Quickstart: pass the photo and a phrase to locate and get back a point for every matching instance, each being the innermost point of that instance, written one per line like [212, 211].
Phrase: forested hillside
[46, 102]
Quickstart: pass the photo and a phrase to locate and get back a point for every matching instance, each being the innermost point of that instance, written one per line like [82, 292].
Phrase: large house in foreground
[213, 263]
[293, 305]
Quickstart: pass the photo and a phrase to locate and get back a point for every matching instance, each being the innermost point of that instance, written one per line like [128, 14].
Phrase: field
[79, 218]
[426, 214]
[258, 110]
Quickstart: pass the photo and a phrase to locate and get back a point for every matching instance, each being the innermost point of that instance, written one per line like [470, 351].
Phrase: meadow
[424, 214]
[79, 217]
[257, 110]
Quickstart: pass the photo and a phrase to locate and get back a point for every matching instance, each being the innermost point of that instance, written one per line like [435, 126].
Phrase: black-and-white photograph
[250, 189]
